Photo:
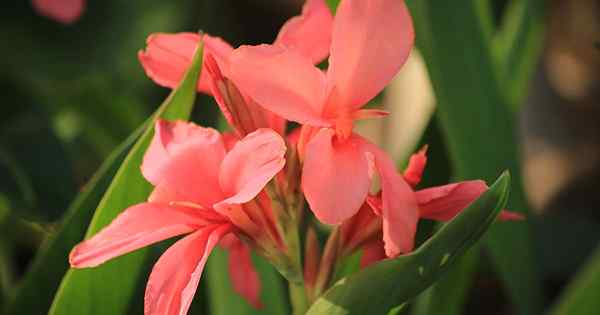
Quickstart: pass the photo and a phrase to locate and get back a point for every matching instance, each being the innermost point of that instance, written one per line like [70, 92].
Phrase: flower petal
[175, 277]
[371, 41]
[399, 206]
[63, 11]
[372, 253]
[168, 56]
[335, 177]
[244, 277]
[136, 227]
[250, 165]
[280, 80]
[309, 33]
[416, 165]
[184, 158]
[443, 203]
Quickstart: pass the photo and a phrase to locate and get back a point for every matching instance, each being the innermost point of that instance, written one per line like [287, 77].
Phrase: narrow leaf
[108, 289]
[379, 288]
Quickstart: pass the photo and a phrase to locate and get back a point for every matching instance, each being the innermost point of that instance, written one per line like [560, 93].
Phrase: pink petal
[280, 80]
[309, 33]
[136, 227]
[371, 41]
[184, 158]
[175, 277]
[399, 207]
[244, 277]
[416, 165]
[63, 11]
[372, 253]
[168, 56]
[335, 177]
[443, 203]
[250, 165]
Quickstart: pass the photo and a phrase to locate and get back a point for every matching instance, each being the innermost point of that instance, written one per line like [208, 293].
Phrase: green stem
[298, 298]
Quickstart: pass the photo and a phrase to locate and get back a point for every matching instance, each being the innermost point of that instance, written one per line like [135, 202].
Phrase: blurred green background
[526, 70]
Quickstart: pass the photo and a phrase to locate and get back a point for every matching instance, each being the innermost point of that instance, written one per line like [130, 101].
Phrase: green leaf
[480, 129]
[378, 289]
[581, 295]
[518, 45]
[50, 264]
[108, 289]
[224, 300]
[333, 4]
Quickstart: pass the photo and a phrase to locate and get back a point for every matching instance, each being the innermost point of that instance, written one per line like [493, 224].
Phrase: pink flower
[200, 190]
[370, 42]
[440, 203]
[169, 55]
[63, 11]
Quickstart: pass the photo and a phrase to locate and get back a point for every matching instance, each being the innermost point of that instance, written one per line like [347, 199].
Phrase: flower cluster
[246, 189]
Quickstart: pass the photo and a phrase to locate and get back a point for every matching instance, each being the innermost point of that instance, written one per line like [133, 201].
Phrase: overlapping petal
[250, 165]
[134, 228]
[175, 277]
[310, 32]
[184, 158]
[399, 205]
[335, 177]
[281, 80]
[371, 41]
[168, 56]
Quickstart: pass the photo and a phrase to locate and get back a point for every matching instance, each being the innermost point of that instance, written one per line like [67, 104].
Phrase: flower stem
[298, 298]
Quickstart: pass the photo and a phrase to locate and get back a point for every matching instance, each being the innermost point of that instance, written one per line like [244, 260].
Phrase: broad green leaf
[581, 294]
[379, 288]
[108, 289]
[224, 300]
[50, 264]
[480, 129]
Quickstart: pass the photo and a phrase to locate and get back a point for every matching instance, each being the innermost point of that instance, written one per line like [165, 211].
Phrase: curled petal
[168, 56]
[136, 227]
[244, 277]
[280, 80]
[371, 41]
[335, 177]
[416, 165]
[399, 207]
[250, 165]
[443, 203]
[309, 33]
[63, 11]
[175, 277]
[184, 158]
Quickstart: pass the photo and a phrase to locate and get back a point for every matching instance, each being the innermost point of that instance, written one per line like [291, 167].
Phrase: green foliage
[479, 129]
[380, 287]
[50, 264]
[109, 288]
[581, 295]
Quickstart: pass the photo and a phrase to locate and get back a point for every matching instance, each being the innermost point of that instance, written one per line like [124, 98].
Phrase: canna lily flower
[370, 42]
[440, 203]
[62, 11]
[201, 190]
[167, 56]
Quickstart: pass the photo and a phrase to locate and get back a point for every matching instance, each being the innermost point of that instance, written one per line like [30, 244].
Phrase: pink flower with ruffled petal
[201, 189]
[370, 42]
[441, 203]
